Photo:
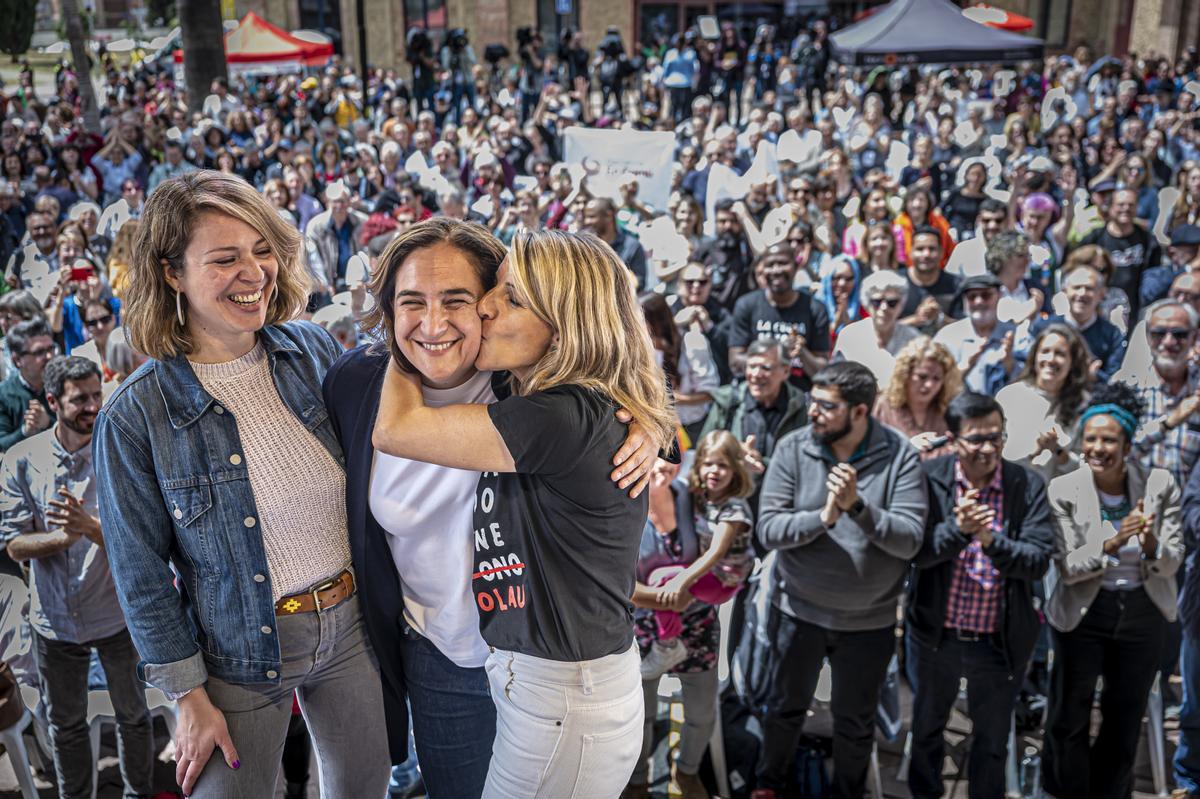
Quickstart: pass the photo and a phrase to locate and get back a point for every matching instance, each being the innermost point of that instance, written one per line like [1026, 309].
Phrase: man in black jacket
[988, 538]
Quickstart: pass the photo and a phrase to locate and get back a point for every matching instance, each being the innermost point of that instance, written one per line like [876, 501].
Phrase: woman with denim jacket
[217, 463]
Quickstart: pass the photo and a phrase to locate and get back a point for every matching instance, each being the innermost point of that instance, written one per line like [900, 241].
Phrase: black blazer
[1021, 553]
[351, 388]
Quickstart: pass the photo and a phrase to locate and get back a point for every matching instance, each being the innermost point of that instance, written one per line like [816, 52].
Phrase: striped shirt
[976, 585]
[1155, 446]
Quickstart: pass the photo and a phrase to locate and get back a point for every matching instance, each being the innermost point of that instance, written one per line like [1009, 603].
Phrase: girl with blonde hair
[217, 462]
[556, 544]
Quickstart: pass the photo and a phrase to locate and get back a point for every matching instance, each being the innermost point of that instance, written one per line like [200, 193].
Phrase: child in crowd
[719, 483]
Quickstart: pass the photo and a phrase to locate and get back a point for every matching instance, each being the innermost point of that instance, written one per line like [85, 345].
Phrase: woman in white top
[876, 340]
[687, 360]
[1042, 405]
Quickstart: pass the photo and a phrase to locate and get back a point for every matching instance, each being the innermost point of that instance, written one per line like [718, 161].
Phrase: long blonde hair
[578, 286]
[912, 355]
[162, 239]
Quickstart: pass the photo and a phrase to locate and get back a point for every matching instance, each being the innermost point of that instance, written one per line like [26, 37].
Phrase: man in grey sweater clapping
[844, 502]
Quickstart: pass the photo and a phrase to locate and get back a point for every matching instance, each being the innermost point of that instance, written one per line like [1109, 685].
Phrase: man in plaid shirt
[988, 538]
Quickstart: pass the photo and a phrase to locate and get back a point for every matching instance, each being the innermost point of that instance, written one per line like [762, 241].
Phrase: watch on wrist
[857, 507]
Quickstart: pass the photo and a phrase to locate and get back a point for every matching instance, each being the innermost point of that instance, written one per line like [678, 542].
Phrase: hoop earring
[179, 309]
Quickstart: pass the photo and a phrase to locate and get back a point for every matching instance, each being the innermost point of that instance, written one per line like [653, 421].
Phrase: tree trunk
[79, 55]
[203, 48]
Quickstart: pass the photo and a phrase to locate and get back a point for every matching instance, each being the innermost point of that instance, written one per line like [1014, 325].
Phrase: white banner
[610, 157]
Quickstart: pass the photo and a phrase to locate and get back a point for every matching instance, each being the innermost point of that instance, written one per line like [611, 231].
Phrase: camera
[416, 45]
[456, 39]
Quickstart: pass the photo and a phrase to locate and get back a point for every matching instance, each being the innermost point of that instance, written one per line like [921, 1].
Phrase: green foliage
[17, 32]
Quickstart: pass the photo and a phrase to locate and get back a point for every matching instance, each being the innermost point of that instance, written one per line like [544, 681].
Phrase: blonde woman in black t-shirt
[556, 542]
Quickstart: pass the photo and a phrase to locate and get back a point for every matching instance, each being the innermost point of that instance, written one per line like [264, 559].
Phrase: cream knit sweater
[298, 487]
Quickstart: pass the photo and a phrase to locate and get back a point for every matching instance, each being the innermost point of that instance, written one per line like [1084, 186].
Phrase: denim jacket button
[258, 578]
[272, 674]
[217, 409]
[248, 521]
[235, 459]
[178, 514]
[265, 630]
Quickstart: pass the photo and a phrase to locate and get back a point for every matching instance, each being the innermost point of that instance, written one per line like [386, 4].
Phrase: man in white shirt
[981, 344]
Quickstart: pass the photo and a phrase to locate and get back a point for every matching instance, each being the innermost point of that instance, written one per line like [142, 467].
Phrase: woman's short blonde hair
[163, 235]
[912, 355]
[578, 286]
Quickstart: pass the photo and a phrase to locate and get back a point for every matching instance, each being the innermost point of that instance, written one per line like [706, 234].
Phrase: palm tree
[203, 47]
[83, 64]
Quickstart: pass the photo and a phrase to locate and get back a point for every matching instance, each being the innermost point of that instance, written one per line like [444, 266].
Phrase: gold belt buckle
[325, 586]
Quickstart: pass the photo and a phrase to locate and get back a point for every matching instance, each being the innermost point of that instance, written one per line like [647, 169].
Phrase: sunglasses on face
[98, 321]
[1158, 334]
[885, 302]
[45, 352]
[1186, 296]
[697, 282]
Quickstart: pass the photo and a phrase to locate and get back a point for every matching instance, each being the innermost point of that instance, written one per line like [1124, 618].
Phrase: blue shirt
[72, 594]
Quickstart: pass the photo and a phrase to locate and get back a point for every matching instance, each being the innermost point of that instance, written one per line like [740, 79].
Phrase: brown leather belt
[328, 594]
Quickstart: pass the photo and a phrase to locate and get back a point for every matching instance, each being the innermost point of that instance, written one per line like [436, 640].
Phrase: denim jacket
[174, 490]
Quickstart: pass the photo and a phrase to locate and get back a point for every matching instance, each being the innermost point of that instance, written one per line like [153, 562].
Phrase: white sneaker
[663, 658]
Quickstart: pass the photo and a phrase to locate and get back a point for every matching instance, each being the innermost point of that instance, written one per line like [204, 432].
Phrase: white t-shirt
[426, 512]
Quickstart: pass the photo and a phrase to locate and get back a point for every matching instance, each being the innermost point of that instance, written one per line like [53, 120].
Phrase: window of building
[427, 14]
[555, 16]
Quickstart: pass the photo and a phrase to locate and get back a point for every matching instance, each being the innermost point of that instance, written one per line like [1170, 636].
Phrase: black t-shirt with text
[754, 317]
[556, 544]
[1131, 255]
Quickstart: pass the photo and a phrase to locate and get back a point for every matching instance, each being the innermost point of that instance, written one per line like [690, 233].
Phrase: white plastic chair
[13, 739]
[100, 713]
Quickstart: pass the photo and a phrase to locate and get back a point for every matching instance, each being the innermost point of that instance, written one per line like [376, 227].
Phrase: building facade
[373, 31]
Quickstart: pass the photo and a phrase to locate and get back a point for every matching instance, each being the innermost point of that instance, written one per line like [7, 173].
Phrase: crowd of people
[347, 414]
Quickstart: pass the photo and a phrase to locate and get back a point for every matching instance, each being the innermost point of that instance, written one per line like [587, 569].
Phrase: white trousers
[564, 730]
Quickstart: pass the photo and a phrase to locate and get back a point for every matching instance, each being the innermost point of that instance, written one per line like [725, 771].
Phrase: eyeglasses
[979, 442]
[827, 405]
[697, 282]
[885, 302]
[98, 321]
[44, 352]
[1186, 296]
[1157, 334]
[842, 279]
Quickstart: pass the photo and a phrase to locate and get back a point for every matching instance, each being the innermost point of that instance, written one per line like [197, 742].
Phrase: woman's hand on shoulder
[635, 459]
[199, 731]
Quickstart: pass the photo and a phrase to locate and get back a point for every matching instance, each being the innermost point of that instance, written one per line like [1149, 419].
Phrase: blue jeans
[1187, 754]
[453, 719]
[991, 693]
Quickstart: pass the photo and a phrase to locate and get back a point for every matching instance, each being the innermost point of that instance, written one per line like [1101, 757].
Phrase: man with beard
[600, 217]
[728, 256]
[1169, 437]
[930, 290]
[1132, 248]
[779, 311]
[981, 344]
[48, 508]
[843, 501]
[988, 539]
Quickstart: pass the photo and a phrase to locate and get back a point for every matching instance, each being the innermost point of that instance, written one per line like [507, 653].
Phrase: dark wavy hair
[1071, 397]
[1123, 395]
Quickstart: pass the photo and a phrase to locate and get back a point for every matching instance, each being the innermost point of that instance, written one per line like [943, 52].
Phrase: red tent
[997, 18]
[256, 45]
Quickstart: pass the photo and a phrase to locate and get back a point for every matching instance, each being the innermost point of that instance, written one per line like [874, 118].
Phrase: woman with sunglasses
[839, 294]
[876, 340]
[1112, 596]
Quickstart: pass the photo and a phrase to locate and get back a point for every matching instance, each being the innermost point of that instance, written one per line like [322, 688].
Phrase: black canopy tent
[928, 32]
